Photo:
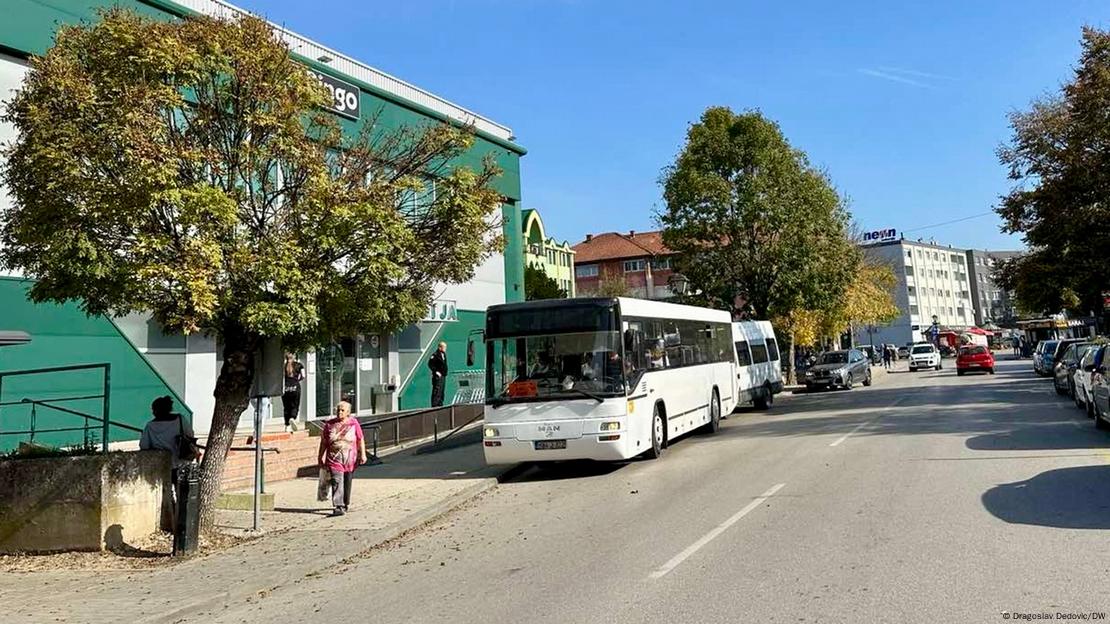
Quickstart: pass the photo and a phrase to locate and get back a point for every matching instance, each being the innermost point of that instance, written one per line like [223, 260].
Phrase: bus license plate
[550, 445]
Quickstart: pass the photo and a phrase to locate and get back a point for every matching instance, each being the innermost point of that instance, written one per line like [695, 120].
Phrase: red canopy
[981, 332]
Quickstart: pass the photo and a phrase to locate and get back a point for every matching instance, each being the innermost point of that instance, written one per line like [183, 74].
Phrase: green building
[375, 372]
[555, 259]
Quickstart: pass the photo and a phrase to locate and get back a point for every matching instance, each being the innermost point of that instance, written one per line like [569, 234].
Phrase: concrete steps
[297, 458]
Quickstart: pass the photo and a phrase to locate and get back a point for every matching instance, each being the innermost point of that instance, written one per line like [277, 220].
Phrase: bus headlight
[491, 432]
[610, 426]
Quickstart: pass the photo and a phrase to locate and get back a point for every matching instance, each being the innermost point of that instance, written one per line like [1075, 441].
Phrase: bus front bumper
[589, 446]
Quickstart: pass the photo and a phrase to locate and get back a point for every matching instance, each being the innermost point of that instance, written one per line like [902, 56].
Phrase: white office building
[933, 281]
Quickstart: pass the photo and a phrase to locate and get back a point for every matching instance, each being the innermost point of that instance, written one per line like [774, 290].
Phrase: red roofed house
[640, 260]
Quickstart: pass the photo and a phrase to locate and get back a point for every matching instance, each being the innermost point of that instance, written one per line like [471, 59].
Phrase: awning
[10, 338]
[981, 332]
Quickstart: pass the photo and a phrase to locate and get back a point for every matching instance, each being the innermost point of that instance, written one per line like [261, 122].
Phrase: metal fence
[470, 387]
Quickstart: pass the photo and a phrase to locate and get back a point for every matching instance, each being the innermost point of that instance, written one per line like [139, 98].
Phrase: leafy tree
[187, 169]
[753, 223]
[538, 285]
[612, 284]
[1060, 203]
[869, 298]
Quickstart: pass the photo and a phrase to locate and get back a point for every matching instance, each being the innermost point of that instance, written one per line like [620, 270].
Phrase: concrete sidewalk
[300, 541]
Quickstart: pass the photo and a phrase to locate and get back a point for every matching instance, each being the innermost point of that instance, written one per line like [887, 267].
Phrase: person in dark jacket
[291, 396]
[438, 365]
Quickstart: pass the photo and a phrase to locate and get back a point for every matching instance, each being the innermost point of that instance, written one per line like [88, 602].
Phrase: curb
[358, 548]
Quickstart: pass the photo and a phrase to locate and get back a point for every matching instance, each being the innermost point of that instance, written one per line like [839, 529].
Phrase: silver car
[839, 368]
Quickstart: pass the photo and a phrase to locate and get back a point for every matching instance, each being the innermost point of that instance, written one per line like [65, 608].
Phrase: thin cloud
[913, 72]
[882, 75]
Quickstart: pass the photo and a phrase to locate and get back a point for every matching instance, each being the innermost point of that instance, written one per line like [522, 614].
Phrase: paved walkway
[300, 542]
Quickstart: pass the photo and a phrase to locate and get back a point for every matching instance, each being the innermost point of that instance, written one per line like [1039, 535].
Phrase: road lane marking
[897, 402]
[720, 528]
[849, 434]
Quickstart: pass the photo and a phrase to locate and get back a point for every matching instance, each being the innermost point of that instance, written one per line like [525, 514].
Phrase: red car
[974, 358]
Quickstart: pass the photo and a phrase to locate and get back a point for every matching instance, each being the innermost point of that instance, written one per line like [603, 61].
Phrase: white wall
[200, 379]
[12, 71]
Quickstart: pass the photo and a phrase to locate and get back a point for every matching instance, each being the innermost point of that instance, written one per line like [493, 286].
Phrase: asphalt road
[925, 496]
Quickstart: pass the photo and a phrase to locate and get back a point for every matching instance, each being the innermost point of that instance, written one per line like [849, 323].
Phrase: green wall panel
[62, 335]
[512, 226]
[418, 392]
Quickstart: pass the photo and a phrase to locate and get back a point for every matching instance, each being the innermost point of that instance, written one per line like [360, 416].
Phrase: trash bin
[186, 527]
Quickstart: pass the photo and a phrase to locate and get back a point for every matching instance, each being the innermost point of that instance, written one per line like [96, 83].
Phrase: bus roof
[628, 306]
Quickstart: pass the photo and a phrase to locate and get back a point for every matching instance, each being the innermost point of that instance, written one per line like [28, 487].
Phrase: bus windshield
[555, 366]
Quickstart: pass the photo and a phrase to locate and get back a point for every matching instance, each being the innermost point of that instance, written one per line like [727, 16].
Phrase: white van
[758, 372]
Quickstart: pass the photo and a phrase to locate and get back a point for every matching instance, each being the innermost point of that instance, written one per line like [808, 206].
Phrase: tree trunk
[232, 397]
[791, 373]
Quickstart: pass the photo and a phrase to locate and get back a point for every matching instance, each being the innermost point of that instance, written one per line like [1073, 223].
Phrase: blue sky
[903, 104]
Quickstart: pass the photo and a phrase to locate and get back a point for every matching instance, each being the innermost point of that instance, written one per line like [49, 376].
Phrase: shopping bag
[323, 487]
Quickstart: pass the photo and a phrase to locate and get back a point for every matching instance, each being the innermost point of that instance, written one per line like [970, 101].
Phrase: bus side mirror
[470, 352]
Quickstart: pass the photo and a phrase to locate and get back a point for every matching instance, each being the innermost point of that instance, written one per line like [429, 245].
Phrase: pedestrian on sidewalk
[291, 396]
[342, 450]
[438, 365]
[886, 357]
[169, 431]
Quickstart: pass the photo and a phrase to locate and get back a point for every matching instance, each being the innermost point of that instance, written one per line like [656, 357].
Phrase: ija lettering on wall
[346, 99]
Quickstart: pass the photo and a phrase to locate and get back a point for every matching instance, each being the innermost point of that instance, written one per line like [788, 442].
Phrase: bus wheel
[714, 424]
[658, 433]
[766, 398]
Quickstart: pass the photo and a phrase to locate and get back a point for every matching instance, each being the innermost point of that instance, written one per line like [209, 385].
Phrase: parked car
[1100, 393]
[839, 368]
[758, 371]
[873, 354]
[903, 352]
[924, 355]
[1046, 349]
[1082, 378]
[974, 358]
[1066, 365]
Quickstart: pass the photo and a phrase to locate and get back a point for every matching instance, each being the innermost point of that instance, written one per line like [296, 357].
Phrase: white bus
[602, 378]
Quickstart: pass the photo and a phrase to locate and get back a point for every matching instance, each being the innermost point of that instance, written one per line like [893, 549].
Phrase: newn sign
[880, 236]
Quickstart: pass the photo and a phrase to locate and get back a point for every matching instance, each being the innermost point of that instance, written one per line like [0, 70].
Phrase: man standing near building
[438, 365]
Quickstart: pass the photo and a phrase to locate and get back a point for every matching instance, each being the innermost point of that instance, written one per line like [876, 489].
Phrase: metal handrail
[375, 426]
[105, 396]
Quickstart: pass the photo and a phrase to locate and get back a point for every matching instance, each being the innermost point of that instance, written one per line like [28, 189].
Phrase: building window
[660, 263]
[912, 290]
[632, 266]
[913, 309]
[585, 270]
[909, 270]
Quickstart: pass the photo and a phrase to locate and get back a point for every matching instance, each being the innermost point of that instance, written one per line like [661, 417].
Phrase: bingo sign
[345, 96]
[880, 236]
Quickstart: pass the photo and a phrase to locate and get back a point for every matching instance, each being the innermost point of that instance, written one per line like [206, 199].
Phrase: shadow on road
[557, 471]
[1040, 437]
[1016, 405]
[1069, 498]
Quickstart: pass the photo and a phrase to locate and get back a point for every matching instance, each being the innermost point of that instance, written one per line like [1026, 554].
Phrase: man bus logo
[345, 96]
[880, 236]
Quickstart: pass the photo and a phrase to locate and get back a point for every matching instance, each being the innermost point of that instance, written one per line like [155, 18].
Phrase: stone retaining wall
[93, 502]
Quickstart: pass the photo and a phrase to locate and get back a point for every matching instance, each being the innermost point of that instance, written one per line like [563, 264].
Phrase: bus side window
[772, 349]
[635, 351]
[743, 356]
